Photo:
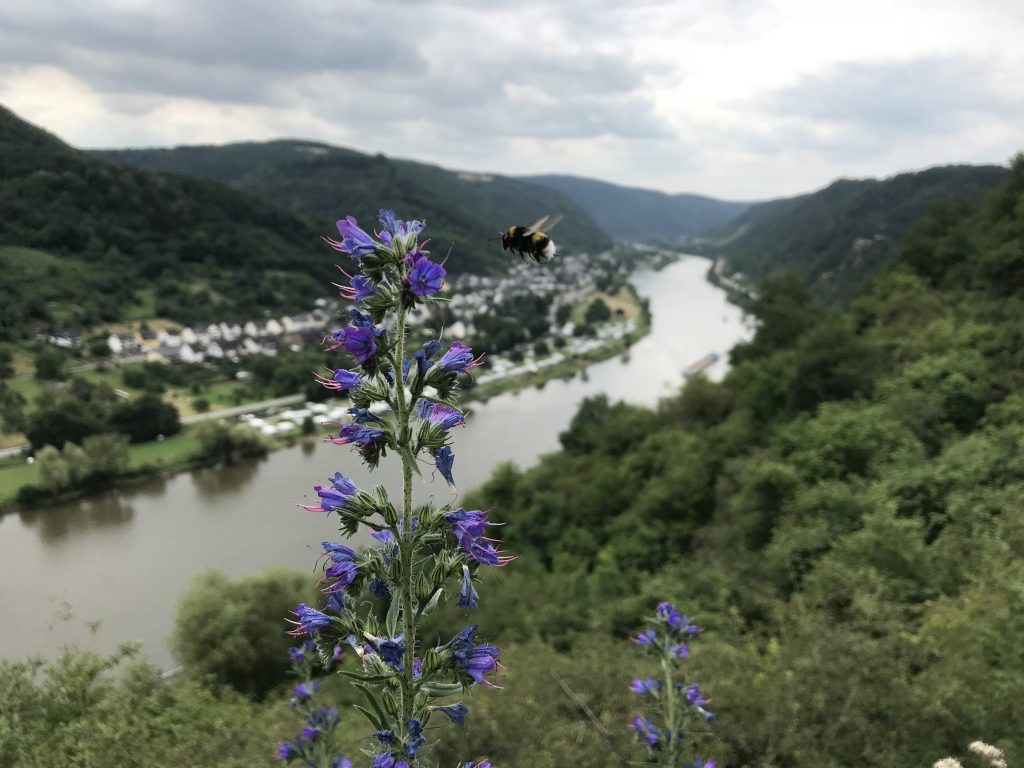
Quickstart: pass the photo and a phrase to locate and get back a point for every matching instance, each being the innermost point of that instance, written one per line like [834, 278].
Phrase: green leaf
[391, 622]
[374, 720]
[374, 704]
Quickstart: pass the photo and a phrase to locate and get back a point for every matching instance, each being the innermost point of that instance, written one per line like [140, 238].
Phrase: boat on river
[701, 365]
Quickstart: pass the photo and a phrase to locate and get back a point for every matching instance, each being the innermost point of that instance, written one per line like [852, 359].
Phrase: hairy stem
[670, 708]
[405, 542]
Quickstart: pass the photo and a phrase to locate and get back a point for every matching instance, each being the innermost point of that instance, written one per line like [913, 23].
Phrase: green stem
[670, 706]
[405, 542]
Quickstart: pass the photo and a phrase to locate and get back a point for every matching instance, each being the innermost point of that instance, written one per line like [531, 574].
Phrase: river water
[97, 572]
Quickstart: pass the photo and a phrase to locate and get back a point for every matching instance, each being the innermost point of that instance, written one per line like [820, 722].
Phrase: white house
[189, 355]
[114, 342]
[214, 350]
[274, 328]
[251, 329]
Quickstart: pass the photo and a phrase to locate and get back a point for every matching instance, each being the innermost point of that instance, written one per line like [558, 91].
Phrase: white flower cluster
[992, 755]
[947, 762]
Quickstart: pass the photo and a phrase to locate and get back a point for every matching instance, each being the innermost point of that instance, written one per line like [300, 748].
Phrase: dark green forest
[844, 515]
[463, 209]
[842, 235]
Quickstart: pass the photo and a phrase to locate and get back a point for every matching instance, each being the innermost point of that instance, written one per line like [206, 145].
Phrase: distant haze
[740, 100]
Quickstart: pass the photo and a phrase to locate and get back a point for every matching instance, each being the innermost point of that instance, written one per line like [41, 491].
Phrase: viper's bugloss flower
[336, 602]
[424, 355]
[303, 691]
[385, 737]
[312, 732]
[341, 762]
[463, 639]
[310, 620]
[459, 359]
[468, 527]
[379, 588]
[693, 695]
[455, 712]
[670, 615]
[359, 288]
[417, 668]
[443, 460]
[364, 416]
[679, 650]
[387, 760]
[341, 379]
[481, 764]
[423, 408]
[698, 763]
[478, 661]
[336, 496]
[392, 227]
[357, 341]
[354, 241]
[647, 637]
[425, 277]
[300, 653]
[390, 650]
[468, 597]
[648, 685]
[445, 416]
[416, 738]
[647, 730]
[343, 568]
[357, 435]
[286, 751]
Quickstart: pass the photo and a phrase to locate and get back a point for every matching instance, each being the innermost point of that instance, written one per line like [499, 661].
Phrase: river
[97, 572]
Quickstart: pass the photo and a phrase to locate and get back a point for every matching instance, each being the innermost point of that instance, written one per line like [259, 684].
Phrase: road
[223, 413]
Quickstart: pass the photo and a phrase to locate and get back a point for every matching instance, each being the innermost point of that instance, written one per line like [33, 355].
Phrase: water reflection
[54, 524]
[214, 482]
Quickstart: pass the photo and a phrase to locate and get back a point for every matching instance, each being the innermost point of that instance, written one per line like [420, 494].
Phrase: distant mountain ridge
[463, 210]
[843, 234]
[644, 215]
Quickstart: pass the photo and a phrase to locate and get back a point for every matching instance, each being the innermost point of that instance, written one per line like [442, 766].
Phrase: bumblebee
[532, 241]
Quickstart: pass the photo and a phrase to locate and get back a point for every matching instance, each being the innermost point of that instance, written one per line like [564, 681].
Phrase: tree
[12, 413]
[230, 443]
[563, 313]
[64, 421]
[145, 417]
[49, 363]
[597, 312]
[233, 632]
[108, 454]
[54, 473]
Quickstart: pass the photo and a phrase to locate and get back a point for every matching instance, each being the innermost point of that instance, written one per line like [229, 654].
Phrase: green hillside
[87, 240]
[841, 235]
[463, 210]
[629, 213]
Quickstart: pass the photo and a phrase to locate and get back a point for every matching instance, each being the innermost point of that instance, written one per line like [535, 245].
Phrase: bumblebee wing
[543, 225]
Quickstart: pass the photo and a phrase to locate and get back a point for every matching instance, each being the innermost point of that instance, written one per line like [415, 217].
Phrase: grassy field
[167, 455]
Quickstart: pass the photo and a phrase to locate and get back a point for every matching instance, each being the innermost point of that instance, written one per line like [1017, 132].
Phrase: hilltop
[644, 215]
[843, 234]
[463, 209]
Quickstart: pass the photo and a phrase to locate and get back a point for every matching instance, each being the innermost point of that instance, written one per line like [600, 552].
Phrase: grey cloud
[356, 63]
[933, 95]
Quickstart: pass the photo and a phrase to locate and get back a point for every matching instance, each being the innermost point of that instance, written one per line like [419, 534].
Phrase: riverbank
[20, 481]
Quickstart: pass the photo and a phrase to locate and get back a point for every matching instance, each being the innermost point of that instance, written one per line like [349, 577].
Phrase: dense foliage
[463, 210]
[101, 240]
[843, 234]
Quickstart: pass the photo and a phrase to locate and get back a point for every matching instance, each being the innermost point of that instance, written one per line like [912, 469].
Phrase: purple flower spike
[459, 359]
[647, 730]
[642, 687]
[647, 637]
[357, 435]
[425, 277]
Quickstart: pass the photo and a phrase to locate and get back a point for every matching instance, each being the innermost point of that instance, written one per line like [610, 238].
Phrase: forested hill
[844, 514]
[629, 213]
[841, 235]
[84, 241]
[464, 210]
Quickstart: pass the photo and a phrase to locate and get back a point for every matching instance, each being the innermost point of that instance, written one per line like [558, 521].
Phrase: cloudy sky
[742, 99]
